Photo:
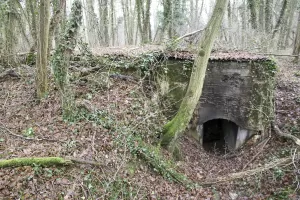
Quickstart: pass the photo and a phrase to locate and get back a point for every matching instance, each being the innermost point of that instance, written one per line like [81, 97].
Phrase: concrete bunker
[236, 101]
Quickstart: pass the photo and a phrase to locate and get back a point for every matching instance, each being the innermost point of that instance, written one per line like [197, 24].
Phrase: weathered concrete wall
[226, 93]
[241, 92]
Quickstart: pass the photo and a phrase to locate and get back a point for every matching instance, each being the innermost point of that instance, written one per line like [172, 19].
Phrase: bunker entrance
[219, 136]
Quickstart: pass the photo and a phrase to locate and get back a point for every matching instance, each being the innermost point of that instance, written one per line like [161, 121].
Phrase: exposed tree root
[285, 135]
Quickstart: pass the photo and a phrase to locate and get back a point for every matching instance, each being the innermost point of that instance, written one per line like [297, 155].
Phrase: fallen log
[43, 161]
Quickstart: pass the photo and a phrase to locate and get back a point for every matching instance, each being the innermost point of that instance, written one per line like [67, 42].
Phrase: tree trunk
[261, 15]
[31, 7]
[10, 34]
[112, 21]
[296, 50]
[61, 59]
[179, 123]
[290, 21]
[166, 18]
[281, 17]
[104, 29]
[91, 22]
[42, 54]
[253, 12]
[143, 17]
[129, 16]
[268, 16]
[56, 20]
[286, 23]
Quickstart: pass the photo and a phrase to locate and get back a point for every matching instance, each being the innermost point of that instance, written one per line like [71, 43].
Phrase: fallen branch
[88, 162]
[259, 152]
[188, 35]
[285, 135]
[9, 132]
[243, 174]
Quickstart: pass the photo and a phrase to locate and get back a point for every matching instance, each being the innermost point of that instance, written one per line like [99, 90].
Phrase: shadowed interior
[219, 135]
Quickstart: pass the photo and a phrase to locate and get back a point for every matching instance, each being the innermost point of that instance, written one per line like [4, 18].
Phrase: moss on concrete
[261, 105]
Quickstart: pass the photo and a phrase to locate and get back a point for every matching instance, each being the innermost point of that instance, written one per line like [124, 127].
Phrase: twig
[254, 157]
[9, 132]
[81, 161]
[187, 35]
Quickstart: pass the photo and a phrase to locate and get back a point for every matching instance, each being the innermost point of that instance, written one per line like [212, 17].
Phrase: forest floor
[121, 107]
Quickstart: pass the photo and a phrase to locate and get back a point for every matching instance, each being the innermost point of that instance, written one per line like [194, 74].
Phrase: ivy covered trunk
[61, 59]
[179, 123]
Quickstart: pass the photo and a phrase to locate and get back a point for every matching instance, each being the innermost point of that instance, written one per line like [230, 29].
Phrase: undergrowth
[140, 136]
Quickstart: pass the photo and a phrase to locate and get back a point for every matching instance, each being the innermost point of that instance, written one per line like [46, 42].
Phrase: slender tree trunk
[112, 21]
[166, 18]
[281, 17]
[21, 18]
[268, 16]
[229, 17]
[91, 22]
[32, 10]
[261, 15]
[42, 54]
[104, 23]
[244, 23]
[10, 33]
[147, 28]
[179, 123]
[56, 20]
[296, 50]
[143, 17]
[191, 15]
[253, 12]
[293, 6]
[128, 15]
[284, 27]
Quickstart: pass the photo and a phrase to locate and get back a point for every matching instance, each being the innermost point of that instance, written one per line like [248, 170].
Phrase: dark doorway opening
[219, 136]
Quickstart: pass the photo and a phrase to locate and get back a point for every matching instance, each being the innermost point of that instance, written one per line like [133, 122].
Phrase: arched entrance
[219, 135]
